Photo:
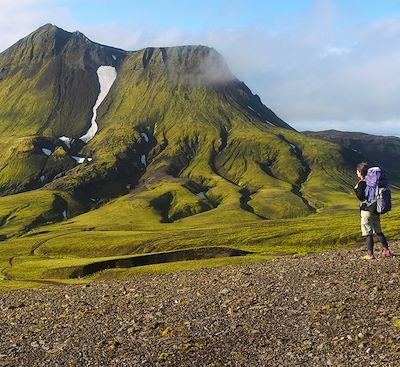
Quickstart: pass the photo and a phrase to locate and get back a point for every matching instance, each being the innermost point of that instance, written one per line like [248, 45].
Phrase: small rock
[35, 344]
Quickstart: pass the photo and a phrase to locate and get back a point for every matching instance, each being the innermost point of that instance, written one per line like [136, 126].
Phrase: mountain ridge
[375, 149]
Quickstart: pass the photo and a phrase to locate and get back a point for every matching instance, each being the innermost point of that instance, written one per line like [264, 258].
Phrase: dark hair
[362, 168]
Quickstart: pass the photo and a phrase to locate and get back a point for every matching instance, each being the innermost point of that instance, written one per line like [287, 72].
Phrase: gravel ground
[330, 309]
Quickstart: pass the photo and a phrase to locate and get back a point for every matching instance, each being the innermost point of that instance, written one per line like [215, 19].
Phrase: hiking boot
[386, 253]
[368, 257]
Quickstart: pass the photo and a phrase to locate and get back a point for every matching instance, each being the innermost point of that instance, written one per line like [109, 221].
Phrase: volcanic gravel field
[330, 309]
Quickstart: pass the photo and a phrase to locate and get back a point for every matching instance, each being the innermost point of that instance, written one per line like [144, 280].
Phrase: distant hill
[376, 150]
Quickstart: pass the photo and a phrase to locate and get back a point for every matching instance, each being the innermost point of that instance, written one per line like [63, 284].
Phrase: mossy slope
[185, 156]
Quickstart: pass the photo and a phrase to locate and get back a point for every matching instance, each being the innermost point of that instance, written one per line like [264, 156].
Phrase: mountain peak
[47, 26]
[47, 40]
[196, 64]
[47, 31]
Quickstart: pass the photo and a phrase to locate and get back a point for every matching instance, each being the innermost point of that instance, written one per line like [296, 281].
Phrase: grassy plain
[43, 256]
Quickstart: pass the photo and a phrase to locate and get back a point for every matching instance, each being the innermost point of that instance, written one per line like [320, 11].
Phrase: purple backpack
[377, 190]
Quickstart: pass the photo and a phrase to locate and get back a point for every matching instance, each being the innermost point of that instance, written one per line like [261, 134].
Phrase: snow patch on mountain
[66, 141]
[114, 57]
[143, 160]
[254, 110]
[201, 194]
[78, 159]
[145, 137]
[47, 151]
[107, 76]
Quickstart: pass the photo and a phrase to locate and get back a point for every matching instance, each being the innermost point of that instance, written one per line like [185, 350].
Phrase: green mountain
[375, 149]
[108, 152]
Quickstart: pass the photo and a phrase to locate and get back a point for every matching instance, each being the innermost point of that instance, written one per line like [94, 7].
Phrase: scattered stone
[268, 314]
[34, 344]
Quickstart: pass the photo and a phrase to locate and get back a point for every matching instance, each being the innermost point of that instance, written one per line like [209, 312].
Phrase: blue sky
[197, 15]
[192, 16]
[319, 64]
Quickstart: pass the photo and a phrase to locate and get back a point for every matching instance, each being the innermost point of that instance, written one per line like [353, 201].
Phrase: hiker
[370, 217]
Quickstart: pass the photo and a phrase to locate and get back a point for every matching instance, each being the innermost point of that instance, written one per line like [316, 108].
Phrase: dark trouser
[370, 242]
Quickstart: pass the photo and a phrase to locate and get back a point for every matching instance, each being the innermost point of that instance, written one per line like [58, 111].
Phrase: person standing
[370, 218]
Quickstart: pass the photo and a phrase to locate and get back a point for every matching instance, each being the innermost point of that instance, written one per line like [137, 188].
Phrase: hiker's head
[362, 169]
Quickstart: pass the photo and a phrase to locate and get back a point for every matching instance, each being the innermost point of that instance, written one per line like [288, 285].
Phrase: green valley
[185, 157]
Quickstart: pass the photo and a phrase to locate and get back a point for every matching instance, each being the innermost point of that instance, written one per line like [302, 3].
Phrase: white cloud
[334, 51]
[389, 26]
[21, 17]
[359, 81]
[115, 35]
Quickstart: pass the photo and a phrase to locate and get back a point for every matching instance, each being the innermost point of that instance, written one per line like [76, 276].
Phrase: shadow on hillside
[140, 260]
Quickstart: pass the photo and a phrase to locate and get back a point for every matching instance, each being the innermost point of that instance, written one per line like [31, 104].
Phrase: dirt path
[37, 244]
[320, 310]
